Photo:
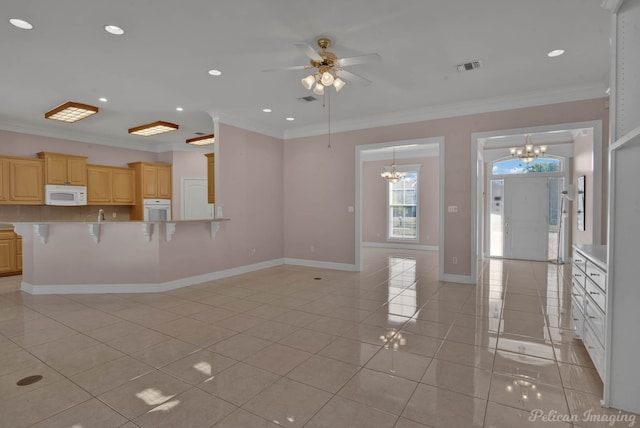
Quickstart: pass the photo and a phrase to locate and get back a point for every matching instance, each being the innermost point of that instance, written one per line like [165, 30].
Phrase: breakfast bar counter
[121, 257]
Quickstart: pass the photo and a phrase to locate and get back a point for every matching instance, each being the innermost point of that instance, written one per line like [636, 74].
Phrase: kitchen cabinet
[152, 181]
[4, 180]
[64, 169]
[10, 255]
[21, 181]
[109, 185]
[211, 183]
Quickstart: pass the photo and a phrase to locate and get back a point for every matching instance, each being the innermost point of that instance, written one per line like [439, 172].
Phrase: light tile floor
[288, 346]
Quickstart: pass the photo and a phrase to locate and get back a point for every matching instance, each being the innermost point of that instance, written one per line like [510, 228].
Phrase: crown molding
[81, 137]
[529, 99]
[612, 5]
[238, 122]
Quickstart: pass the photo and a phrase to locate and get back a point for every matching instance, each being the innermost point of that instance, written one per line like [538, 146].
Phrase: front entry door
[526, 207]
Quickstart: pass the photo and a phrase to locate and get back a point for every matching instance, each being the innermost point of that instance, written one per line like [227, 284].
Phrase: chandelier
[529, 152]
[394, 175]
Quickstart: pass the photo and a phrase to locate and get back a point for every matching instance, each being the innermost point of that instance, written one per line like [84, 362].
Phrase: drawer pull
[593, 292]
[591, 317]
[577, 274]
[578, 261]
[575, 319]
[594, 274]
[591, 347]
[575, 294]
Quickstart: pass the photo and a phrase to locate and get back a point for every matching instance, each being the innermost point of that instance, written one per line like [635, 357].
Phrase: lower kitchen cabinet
[10, 253]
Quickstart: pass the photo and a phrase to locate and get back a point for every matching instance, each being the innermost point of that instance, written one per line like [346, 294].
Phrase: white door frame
[476, 219]
[358, 202]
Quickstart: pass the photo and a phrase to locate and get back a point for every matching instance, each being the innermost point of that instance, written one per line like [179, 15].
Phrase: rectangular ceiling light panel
[70, 112]
[153, 128]
[201, 141]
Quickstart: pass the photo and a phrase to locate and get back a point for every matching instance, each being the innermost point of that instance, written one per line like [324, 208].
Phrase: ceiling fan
[329, 69]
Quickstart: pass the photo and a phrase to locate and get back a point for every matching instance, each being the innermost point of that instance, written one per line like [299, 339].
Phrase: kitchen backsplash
[10, 213]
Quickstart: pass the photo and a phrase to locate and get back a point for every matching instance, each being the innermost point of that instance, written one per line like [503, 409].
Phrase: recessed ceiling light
[291, 118]
[21, 23]
[555, 53]
[215, 72]
[114, 29]
[267, 110]
[179, 109]
[103, 99]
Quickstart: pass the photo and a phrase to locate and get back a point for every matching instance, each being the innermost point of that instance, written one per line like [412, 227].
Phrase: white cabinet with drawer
[589, 300]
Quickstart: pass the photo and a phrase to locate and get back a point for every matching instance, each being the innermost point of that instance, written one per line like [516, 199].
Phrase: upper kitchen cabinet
[64, 169]
[153, 180]
[211, 183]
[4, 180]
[109, 185]
[21, 181]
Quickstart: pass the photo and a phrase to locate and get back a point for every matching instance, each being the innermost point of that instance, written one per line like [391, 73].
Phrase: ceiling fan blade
[360, 59]
[309, 51]
[295, 67]
[352, 77]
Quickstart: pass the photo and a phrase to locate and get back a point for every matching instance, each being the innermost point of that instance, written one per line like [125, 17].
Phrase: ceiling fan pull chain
[329, 121]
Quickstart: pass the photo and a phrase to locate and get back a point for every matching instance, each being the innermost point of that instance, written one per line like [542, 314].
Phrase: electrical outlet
[114, 215]
[253, 251]
[455, 260]
[452, 208]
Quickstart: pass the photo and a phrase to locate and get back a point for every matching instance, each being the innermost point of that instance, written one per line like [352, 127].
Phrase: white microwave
[65, 195]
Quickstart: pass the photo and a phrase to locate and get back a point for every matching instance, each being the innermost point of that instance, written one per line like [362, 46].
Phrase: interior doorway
[384, 222]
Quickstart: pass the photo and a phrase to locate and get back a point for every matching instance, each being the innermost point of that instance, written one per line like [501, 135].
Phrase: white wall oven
[157, 209]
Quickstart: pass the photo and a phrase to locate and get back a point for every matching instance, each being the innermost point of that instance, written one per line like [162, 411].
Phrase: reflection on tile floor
[386, 347]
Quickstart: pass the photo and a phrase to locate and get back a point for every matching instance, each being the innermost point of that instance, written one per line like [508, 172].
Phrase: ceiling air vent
[307, 99]
[468, 66]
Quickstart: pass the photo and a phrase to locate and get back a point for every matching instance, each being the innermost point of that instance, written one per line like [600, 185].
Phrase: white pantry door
[526, 223]
[194, 199]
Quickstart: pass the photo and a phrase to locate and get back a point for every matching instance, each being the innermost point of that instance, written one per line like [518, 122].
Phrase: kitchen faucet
[100, 215]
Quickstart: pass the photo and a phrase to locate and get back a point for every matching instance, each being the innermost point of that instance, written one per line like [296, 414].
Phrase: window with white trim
[403, 208]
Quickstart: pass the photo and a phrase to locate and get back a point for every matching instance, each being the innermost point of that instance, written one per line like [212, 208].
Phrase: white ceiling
[162, 60]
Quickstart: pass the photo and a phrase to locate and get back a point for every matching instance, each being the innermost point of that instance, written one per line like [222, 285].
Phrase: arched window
[510, 165]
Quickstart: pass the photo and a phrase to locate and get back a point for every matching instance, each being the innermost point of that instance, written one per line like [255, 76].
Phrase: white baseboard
[400, 246]
[320, 264]
[460, 279]
[177, 283]
[148, 287]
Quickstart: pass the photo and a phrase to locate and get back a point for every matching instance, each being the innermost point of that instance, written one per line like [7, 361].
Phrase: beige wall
[374, 200]
[320, 182]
